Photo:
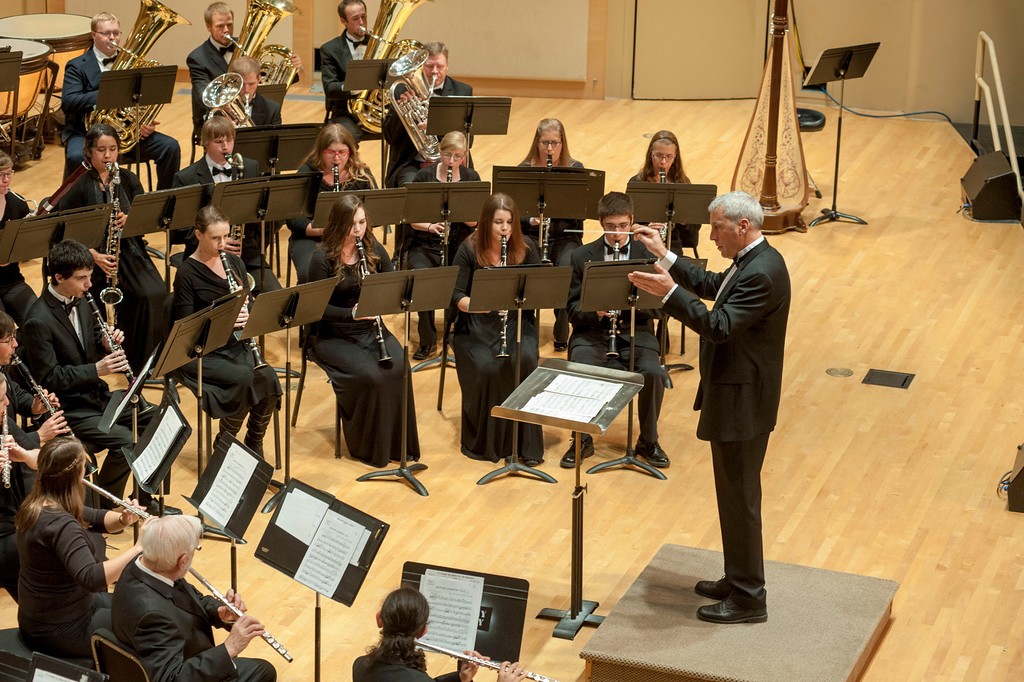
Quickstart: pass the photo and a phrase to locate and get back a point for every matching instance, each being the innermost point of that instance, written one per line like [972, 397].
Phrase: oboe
[545, 229]
[254, 347]
[5, 453]
[337, 179]
[37, 390]
[445, 229]
[143, 514]
[107, 336]
[503, 315]
[364, 270]
[613, 315]
[663, 179]
[482, 662]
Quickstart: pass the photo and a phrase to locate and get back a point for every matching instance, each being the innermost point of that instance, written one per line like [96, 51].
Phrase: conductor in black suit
[591, 331]
[210, 59]
[742, 343]
[78, 100]
[335, 55]
[169, 624]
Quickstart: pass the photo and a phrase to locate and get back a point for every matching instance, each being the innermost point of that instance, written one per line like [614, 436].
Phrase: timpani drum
[68, 34]
[34, 58]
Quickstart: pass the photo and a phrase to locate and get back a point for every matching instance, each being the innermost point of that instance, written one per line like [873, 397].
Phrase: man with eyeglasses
[169, 624]
[78, 100]
[589, 343]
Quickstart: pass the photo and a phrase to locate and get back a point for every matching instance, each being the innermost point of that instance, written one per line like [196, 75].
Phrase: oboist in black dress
[233, 387]
[351, 349]
[16, 297]
[427, 238]
[479, 338]
[664, 164]
[550, 149]
[142, 312]
[335, 156]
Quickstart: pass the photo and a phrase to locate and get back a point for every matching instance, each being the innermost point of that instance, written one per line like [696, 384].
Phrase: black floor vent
[881, 377]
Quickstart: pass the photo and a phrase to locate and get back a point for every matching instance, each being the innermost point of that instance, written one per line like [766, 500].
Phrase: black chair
[115, 659]
[11, 642]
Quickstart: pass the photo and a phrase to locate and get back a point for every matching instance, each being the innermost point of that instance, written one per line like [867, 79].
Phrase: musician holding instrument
[260, 110]
[78, 100]
[234, 387]
[428, 239]
[16, 297]
[602, 338]
[62, 595]
[360, 356]
[70, 356]
[335, 156]
[550, 149]
[485, 342]
[169, 624]
[402, 620]
[664, 164]
[335, 55]
[210, 59]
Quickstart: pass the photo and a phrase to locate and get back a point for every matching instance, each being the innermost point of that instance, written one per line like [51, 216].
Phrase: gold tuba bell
[220, 96]
[408, 71]
[153, 20]
[261, 16]
[365, 106]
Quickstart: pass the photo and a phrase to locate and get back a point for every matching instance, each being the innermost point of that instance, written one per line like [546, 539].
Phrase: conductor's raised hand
[242, 632]
[651, 238]
[658, 282]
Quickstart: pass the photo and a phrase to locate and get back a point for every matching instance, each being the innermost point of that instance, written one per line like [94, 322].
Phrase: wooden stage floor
[883, 482]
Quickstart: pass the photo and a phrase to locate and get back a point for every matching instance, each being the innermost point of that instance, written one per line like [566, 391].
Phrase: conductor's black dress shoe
[727, 612]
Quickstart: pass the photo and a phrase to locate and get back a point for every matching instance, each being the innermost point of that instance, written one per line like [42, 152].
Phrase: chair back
[115, 659]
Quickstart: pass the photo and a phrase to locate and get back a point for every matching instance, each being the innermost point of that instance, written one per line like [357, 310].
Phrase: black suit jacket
[265, 112]
[742, 341]
[394, 672]
[587, 328]
[204, 64]
[78, 98]
[334, 58]
[169, 628]
[402, 150]
[199, 174]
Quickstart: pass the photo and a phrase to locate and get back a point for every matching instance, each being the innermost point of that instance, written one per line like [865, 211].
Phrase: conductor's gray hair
[166, 538]
[737, 206]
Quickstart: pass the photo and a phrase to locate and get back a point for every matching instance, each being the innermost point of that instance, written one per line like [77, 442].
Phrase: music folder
[159, 445]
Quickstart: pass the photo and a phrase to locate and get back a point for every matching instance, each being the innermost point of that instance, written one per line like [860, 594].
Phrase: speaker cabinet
[990, 190]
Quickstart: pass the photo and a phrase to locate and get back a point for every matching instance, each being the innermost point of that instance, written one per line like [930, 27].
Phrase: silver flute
[143, 514]
[5, 453]
[503, 314]
[482, 662]
[40, 394]
[107, 336]
[364, 270]
[254, 347]
[613, 315]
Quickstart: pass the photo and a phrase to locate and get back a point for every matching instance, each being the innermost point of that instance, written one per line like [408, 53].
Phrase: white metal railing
[985, 44]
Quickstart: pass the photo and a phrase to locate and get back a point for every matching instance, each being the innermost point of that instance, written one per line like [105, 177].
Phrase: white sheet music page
[330, 553]
[47, 676]
[300, 515]
[454, 601]
[158, 446]
[571, 397]
[232, 478]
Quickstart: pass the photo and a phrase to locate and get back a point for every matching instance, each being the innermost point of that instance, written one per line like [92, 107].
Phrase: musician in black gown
[232, 388]
[16, 297]
[142, 314]
[347, 346]
[486, 379]
[663, 158]
[550, 149]
[334, 149]
[424, 250]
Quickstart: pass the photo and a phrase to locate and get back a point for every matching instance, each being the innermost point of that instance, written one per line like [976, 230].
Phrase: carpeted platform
[822, 625]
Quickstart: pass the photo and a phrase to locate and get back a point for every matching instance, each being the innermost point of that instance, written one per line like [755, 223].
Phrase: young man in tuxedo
[211, 58]
[261, 110]
[78, 100]
[591, 331]
[335, 55]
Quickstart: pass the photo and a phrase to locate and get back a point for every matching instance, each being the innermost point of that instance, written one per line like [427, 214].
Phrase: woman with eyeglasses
[550, 149]
[424, 249]
[663, 160]
[62, 596]
[16, 297]
[334, 148]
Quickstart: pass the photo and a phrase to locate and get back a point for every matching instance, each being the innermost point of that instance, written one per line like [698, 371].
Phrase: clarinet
[364, 270]
[37, 390]
[662, 179]
[613, 316]
[5, 453]
[545, 230]
[444, 233]
[237, 166]
[143, 514]
[105, 332]
[111, 295]
[482, 662]
[337, 179]
[503, 315]
[254, 347]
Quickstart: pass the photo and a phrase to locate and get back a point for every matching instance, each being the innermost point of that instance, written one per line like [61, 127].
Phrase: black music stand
[30, 238]
[10, 81]
[405, 291]
[382, 206]
[840, 64]
[606, 287]
[142, 87]
[671, 203]
[472, 115]
[157, 448]
[284, 309]
[166, 209]
[276, 147]
[371, 74]
[540, 287]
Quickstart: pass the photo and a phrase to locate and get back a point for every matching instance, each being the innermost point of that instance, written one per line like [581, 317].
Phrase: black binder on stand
[231, 487]
[159, 445]
[29, 238]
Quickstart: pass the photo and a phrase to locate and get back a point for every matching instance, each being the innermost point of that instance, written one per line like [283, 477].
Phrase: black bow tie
[224, 50]
[217, 170]
[365, 40]
[107, 61]
[71, 307]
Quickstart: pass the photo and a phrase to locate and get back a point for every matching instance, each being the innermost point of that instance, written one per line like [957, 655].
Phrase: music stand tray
[382, 206]
[426, 202]
[199, 334]
[165, 209]
[671, 202]
[279, 197]
[277, 147]
[367, 74]
[473, 115]
[144, 86]
[30, 238]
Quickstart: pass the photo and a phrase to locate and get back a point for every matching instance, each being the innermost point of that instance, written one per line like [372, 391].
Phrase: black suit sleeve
[45, 366]
[76, 97]
[157, 642]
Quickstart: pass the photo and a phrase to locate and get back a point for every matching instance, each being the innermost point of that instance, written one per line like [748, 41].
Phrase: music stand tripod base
[831, 215]
[516, 467]
[629, 459]
[405, 473]
[568, 627]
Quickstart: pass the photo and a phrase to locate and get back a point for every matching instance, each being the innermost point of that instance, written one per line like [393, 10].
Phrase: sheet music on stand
[159, 445]
[232, 485]
[48, 669]
[321, 542]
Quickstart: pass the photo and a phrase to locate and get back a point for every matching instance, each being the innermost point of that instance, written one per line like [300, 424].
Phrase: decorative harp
[771, 164]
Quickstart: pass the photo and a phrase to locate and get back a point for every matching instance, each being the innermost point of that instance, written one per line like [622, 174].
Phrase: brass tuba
[220, 96]
[408, 71]
[365, 106]
[261, 16]
[153, 20]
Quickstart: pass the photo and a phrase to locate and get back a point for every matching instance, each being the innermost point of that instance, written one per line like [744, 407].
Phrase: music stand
[30, 238]
[155, 451]
[166, 209]
[606, 287]
[539, 286]
[273, 311]
[276, 147]
[527, 404]
[405, 291]
[382, 206]
[840, 64]
[142, 87]
[670, 203]
[371, 74]
[472, 115]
